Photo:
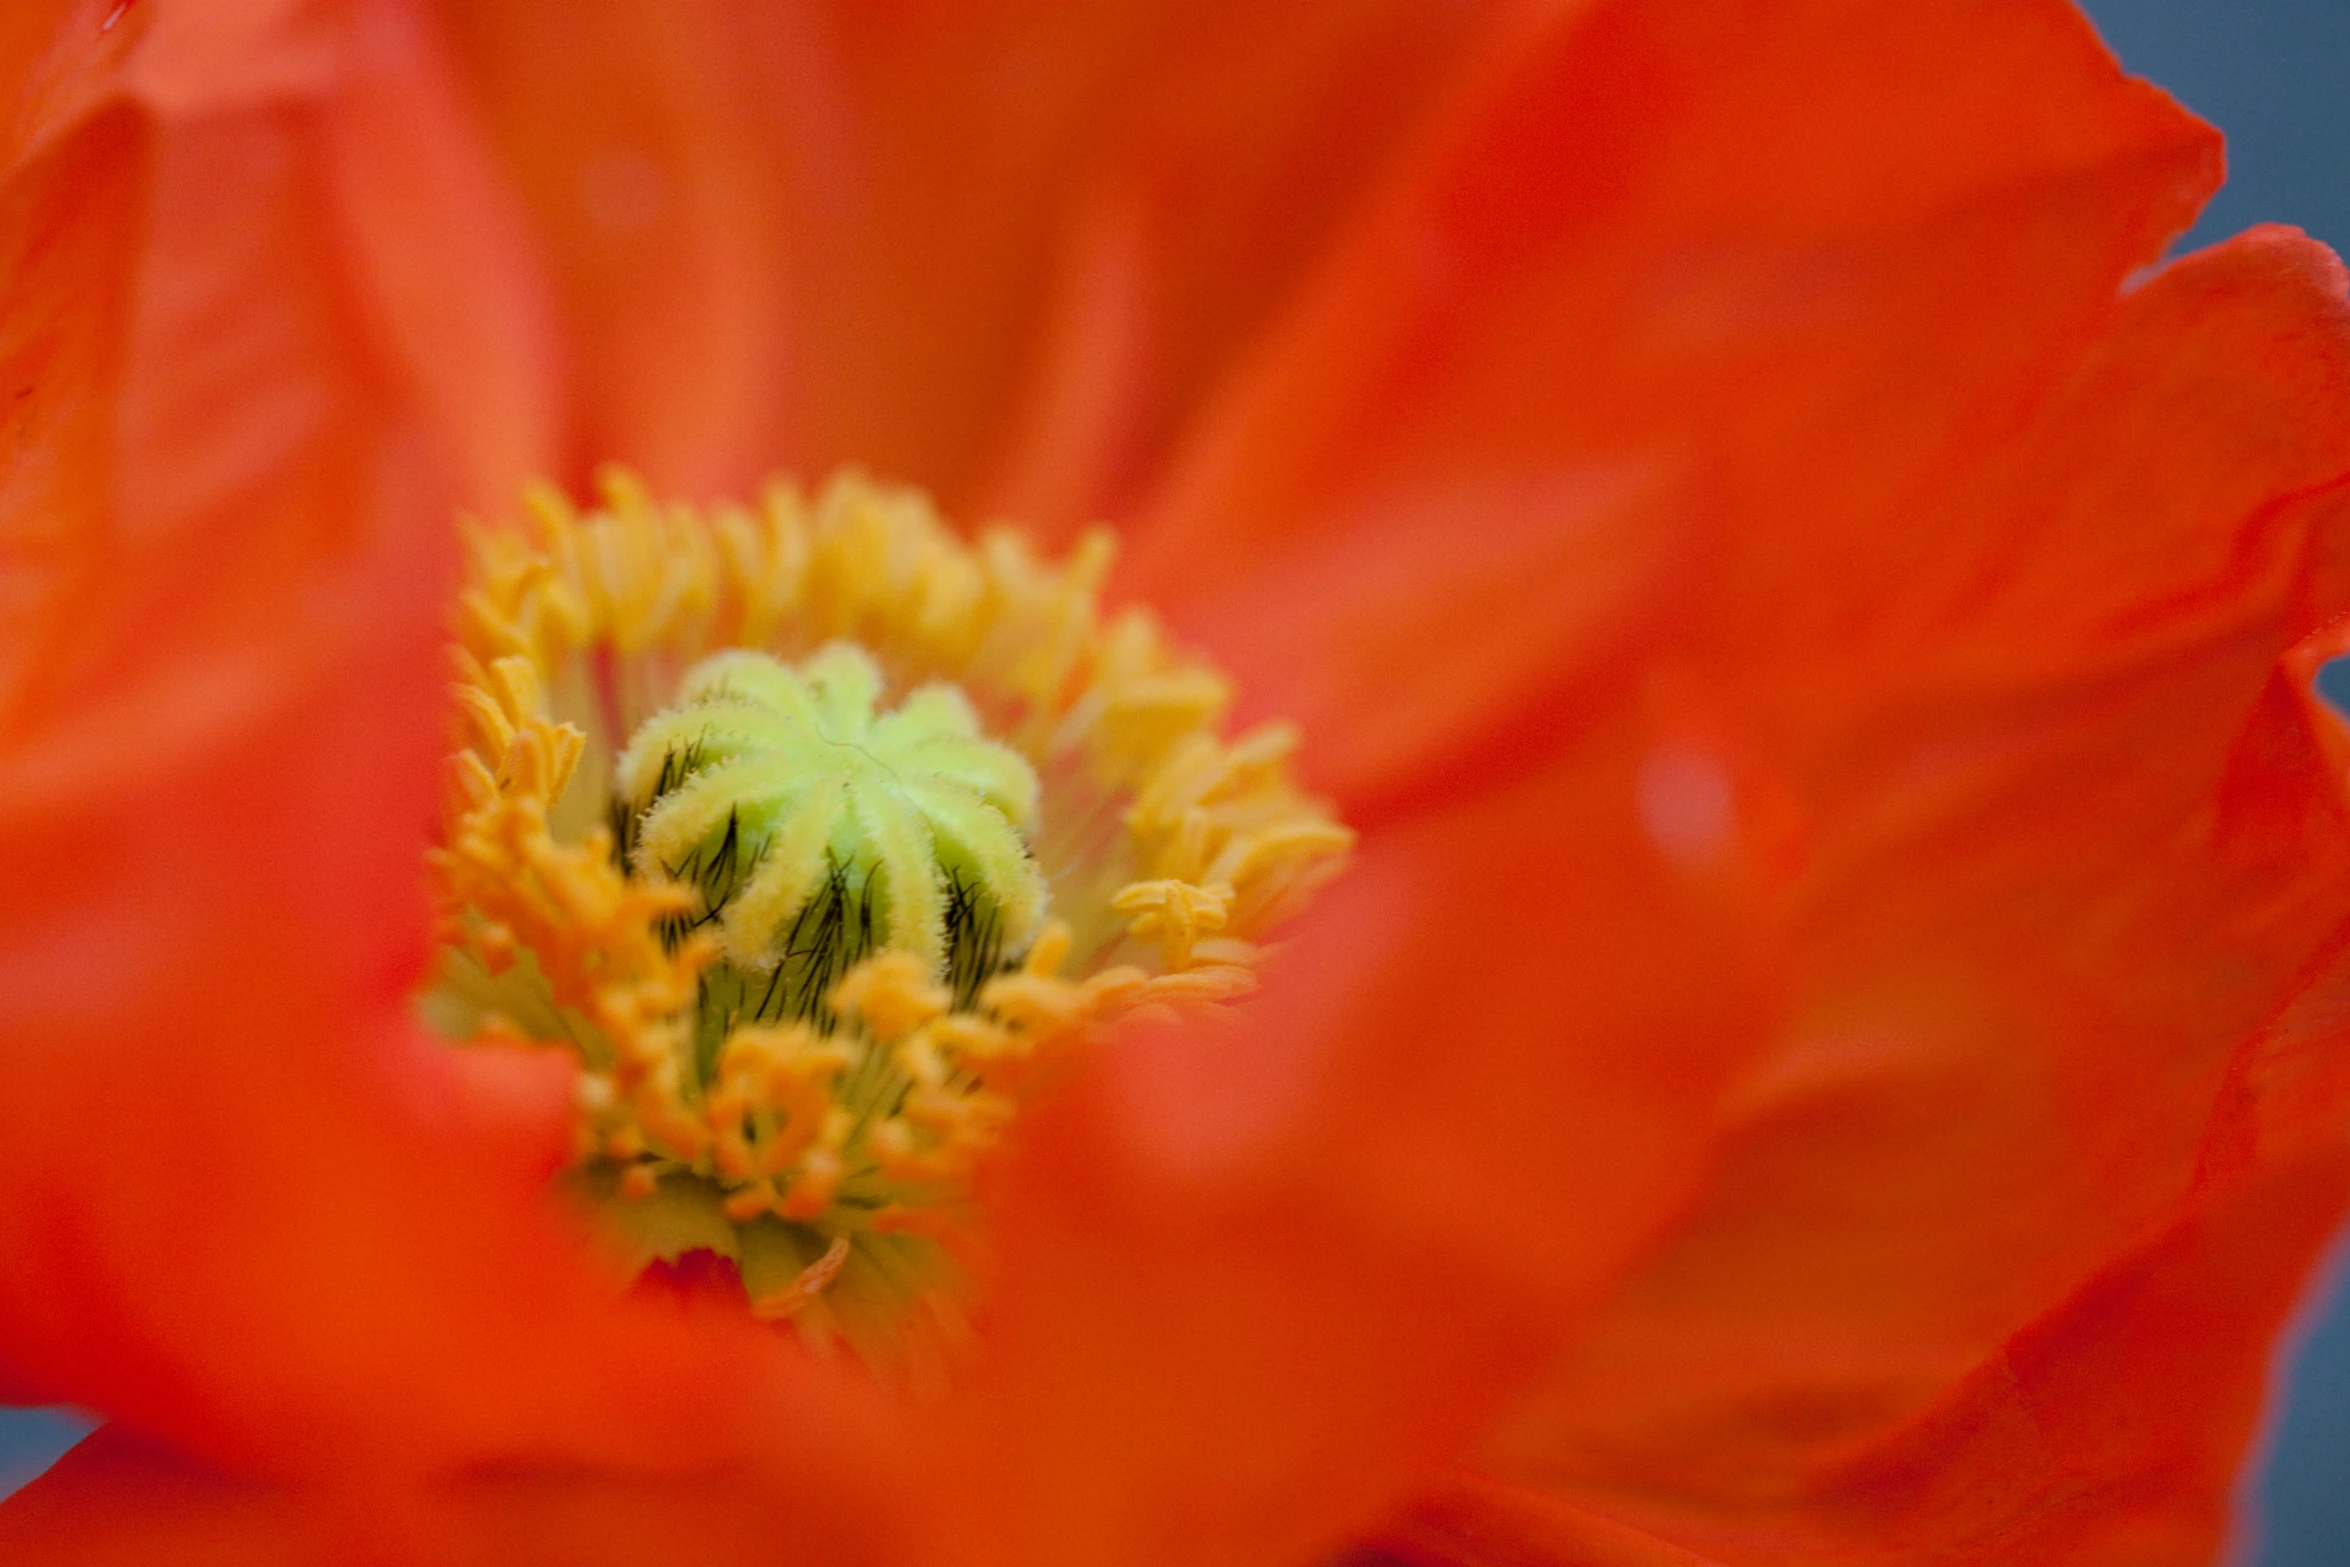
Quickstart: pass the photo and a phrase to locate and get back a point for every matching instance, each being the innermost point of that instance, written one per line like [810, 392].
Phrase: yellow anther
[1284, 843]
[821, 1170]
[1036, 1005]
[749, 1202]
[1175, 914]
[1204, 982]
[892, 993]
[1051, 950]
[804, 1289]
[919, 1057]
[493, 731]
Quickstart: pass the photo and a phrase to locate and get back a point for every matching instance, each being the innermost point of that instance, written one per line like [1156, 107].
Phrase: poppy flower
[1831, 1043]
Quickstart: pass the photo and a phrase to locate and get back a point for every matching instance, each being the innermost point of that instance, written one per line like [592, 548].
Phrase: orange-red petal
[2047, 1139]
[1958, 599]
[246, 1205]
[116, 1500]
[2109, 1428]
[1670, 908]
[1666, 292]
[993, 249]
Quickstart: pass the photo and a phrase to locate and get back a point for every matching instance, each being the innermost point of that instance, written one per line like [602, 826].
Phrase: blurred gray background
[2273, 74]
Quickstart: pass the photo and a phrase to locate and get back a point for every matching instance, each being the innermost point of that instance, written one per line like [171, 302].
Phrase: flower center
[813, 830]
[818, 835]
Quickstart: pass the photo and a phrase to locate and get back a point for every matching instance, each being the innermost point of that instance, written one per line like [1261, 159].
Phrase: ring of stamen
[689, 740]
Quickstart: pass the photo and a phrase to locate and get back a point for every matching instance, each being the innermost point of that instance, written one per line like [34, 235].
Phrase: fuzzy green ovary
[815, 828]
